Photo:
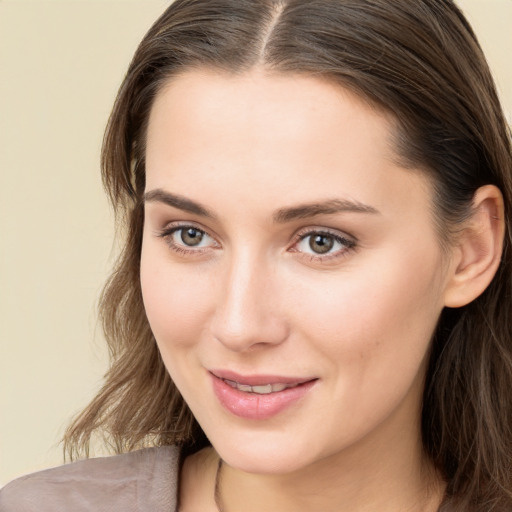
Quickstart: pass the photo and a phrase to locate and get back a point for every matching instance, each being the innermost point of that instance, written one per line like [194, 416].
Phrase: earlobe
[477, 252]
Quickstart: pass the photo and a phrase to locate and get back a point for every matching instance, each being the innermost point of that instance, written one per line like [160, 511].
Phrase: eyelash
[349, 244]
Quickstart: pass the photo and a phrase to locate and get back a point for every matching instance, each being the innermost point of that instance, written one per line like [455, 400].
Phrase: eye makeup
[316, 244]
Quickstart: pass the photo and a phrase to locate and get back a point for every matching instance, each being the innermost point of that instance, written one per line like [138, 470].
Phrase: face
[291, 271]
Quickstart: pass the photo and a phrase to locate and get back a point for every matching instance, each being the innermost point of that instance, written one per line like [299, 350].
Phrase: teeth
[279, 387]
[231, 383]
[260, 390]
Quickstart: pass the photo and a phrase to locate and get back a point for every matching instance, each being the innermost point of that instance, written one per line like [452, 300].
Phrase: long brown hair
[420, 61]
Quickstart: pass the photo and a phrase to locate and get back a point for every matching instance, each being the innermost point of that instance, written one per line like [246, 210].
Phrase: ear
[477, 251]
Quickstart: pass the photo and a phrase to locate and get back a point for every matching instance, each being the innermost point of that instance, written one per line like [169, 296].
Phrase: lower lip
[254, 406]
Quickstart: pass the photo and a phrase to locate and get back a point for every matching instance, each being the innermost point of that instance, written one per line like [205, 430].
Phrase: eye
[191, 237]
[187, 239]
[320, 243]
[323, 244]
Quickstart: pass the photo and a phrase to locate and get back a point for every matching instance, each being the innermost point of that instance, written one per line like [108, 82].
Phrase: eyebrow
[176, 201]
[282, 215]
[328, 207]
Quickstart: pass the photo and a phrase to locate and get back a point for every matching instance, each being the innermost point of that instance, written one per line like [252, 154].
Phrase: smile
[259, 397]
[260, 390]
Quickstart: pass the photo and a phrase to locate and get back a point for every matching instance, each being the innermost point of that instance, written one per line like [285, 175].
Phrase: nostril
[244, 334]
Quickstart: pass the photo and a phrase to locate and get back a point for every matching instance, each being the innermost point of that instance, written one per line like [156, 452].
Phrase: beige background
[60, 65]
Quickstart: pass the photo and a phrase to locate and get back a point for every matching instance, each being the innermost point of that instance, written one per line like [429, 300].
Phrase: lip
[256, 406]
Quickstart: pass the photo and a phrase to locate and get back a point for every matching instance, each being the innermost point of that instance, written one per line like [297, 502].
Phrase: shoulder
[141, 481]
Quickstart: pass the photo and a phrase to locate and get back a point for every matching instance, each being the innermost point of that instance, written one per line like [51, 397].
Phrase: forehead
[258, 132]
[203, 102]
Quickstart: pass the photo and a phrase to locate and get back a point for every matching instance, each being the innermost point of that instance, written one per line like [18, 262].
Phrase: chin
[263, 452]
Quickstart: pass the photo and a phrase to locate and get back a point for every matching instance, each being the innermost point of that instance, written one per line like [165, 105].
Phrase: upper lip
[259, 380]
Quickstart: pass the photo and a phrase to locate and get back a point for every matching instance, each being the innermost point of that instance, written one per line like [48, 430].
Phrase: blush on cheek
[176, 308]
[377, 315]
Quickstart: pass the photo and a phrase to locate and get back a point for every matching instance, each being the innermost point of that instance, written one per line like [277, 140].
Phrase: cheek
[372, 329]
[177, 301]
[380, 315]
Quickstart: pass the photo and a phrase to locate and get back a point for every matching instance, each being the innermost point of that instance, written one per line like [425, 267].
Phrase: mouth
[264, 389]
[259, 397]
[259, 384]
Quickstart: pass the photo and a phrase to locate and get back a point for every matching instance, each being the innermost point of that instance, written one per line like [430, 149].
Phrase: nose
[248, 314]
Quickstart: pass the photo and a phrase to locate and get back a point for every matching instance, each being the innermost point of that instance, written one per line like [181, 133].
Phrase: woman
[311, 310]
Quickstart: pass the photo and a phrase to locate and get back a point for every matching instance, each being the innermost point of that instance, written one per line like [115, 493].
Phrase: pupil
[321, 243]
[191, 236]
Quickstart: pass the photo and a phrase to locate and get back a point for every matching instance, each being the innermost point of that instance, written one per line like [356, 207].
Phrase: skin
[254, 297]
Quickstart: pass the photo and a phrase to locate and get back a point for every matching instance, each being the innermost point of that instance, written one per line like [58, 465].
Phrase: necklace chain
[216, 494]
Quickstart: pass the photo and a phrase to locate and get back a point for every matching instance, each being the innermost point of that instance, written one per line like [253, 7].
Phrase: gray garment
[141, 481]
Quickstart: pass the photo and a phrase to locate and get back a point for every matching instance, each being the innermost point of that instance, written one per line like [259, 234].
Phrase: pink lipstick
[258, 397]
